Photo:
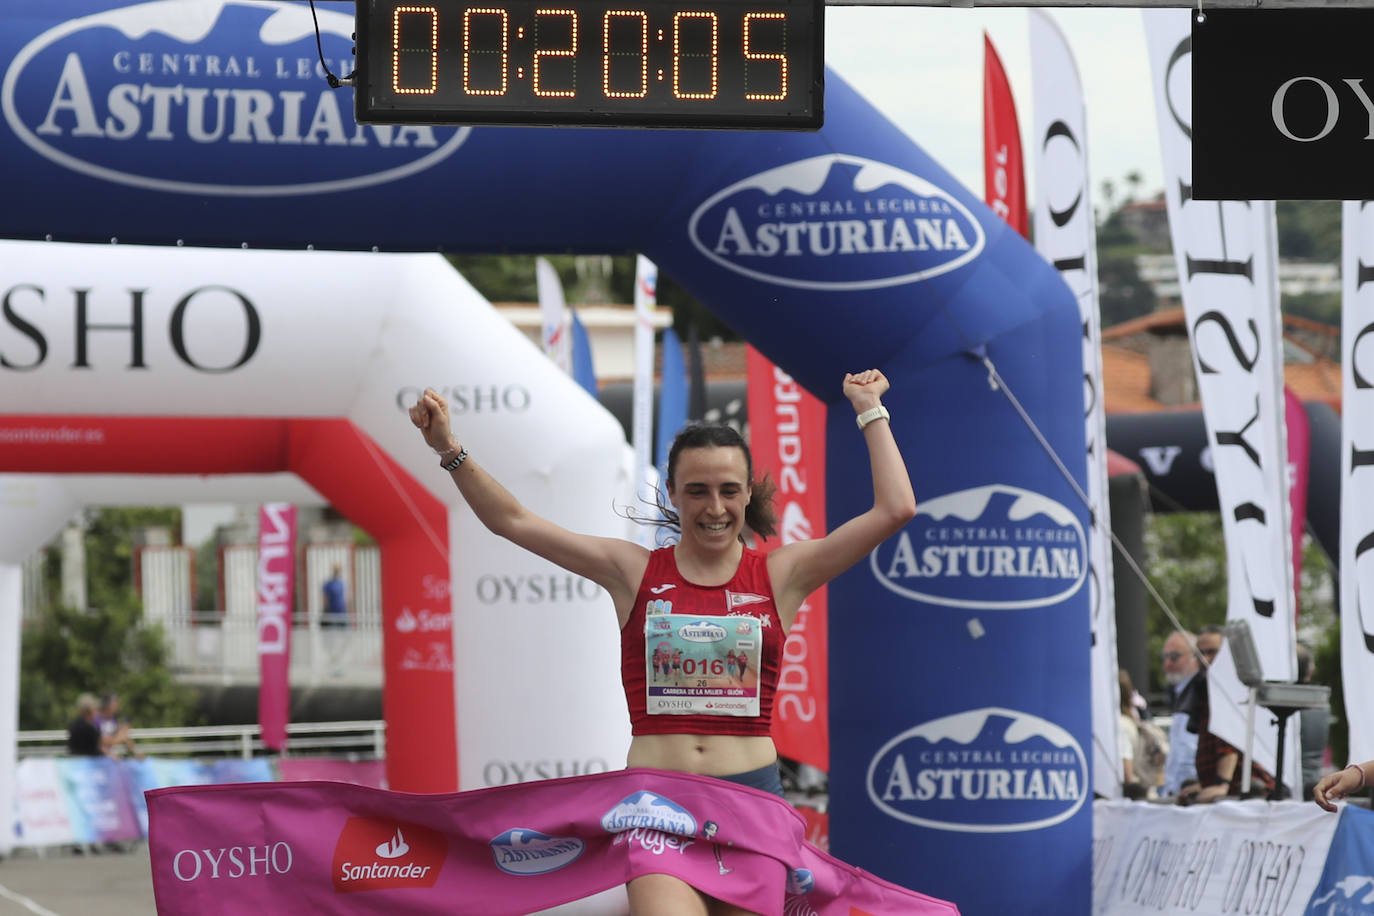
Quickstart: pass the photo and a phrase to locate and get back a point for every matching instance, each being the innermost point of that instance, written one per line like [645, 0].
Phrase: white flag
[1227, 257]
[1066, 234]
[556, 336]
[1357, 474]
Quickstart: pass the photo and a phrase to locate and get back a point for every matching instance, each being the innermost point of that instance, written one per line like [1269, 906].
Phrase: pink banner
[326, 848]
[1299, 455]
[1004, 177]
[357, 772]
[276, 589]
[787, 440]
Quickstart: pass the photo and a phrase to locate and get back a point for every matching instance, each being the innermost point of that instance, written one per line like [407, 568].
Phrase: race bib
[702, 665]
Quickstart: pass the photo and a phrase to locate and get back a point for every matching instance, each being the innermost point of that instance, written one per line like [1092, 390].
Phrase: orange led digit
[607, 53]
[468, 51]
[678, 55]
[561, 52]
[750, 54]
[397, 50]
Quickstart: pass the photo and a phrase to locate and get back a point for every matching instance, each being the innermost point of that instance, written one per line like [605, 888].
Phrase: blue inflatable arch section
[960, 718]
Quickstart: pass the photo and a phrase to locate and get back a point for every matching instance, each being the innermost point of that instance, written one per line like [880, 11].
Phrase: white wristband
[873, 413]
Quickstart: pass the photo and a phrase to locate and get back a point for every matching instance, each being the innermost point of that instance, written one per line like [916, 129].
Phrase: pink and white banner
[1066, 234]
[326, 848]
[787, 439]
[642, 413]
[1357, 474]
[1227, 257]
[276, 593]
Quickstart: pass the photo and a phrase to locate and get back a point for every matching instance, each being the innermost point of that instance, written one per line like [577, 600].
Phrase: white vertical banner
[11, 608]
[1066, 234]
[1227, 257]
[1357, 474]
[642, 416]
[554, 314]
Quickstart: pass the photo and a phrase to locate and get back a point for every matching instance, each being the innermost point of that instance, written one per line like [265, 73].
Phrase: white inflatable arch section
[191, 363]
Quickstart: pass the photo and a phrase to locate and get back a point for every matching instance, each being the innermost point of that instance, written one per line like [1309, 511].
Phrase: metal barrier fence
[353, 740]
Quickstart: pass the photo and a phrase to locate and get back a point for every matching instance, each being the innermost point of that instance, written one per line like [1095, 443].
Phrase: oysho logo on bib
[836, 222]
[995, 547]
[174, 96]
[989, 770]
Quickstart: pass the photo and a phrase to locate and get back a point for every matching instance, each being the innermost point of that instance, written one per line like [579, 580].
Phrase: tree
[109, 648]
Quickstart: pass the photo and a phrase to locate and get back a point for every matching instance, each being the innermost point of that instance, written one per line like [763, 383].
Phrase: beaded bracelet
[1358, 769]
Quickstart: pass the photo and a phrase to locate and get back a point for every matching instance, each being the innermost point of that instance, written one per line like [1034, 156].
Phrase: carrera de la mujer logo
[220, 97]
[837, 222]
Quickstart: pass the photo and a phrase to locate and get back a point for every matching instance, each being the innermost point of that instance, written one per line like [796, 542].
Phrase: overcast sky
[922, 67]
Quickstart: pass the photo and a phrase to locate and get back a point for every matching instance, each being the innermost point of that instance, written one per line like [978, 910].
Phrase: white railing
[207, 648]
[360, 739]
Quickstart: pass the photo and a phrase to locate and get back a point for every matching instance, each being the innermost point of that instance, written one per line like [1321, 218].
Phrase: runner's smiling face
[710, 490]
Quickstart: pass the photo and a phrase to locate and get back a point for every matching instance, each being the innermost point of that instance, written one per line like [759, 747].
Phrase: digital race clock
[711, 64]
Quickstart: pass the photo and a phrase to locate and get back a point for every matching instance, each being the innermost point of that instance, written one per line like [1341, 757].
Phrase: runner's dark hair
[759, 515]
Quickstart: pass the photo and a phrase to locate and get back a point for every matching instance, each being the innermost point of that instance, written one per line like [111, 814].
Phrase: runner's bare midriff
[707, 755]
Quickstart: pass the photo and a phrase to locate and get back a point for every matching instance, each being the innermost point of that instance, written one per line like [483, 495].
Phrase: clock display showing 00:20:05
[723, 63]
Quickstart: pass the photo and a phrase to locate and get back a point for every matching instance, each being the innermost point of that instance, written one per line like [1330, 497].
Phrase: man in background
[1180, 672]
[335, 603]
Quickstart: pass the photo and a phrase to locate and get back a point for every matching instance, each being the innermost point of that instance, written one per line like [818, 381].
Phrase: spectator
[1180, 669]
[83, 734]
[1128, 736]
[1219, 770]
[335, 605]
[1314, 728]
[113, 730]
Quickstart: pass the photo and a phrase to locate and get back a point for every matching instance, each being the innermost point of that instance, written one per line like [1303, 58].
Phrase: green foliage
[1310, 229]
[1326, 660]
[69, 652]
[1186, 561]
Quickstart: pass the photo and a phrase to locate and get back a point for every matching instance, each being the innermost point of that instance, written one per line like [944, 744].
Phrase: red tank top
[747, 594]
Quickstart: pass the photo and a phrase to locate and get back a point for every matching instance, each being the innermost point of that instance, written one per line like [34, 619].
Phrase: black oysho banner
[1283, 104]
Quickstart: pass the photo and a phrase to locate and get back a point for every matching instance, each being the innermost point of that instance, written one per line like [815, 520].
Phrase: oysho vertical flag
[1227, 256]
[787, 441]
[1357, 474]
[1066, 234]
[276, 591]
[1004, 177]
[553, 313]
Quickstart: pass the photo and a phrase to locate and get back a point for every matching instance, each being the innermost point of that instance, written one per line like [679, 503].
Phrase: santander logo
[165, 94]
[379, 854]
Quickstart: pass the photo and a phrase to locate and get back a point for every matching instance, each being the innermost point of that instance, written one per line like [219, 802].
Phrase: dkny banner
[1357, 474]
[114, 126]
[1282, 86]
[276, 613]
[1227, 255]
[1066, 234]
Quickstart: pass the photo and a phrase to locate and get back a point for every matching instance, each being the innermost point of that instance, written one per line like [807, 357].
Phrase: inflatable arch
[954, 667]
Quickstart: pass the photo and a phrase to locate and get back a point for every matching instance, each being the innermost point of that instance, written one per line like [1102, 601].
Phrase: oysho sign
[836, 222]
[1290, 86]
[235, 85]
[989, 770]
[994, 547]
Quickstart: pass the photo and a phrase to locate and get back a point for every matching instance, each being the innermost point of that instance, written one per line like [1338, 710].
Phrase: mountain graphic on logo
[837, 222]
[993, 547]
[988, 770]
[395, 847]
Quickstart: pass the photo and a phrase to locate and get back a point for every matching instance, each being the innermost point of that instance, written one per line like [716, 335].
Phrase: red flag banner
[787, 439]
[1004, 176]
[276, 587]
